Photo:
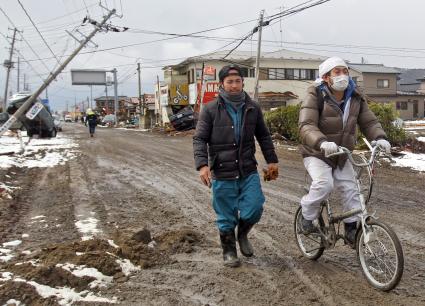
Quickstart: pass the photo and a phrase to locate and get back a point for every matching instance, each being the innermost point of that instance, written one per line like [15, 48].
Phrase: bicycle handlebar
[374, 149]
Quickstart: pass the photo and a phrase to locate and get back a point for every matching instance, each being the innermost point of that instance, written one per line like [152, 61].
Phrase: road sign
[34, 110]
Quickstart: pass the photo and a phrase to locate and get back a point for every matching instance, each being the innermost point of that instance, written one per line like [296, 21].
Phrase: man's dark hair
[224, 72]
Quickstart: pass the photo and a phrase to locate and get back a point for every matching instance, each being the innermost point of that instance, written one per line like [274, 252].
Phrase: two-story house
[411, 86]
[382, 84]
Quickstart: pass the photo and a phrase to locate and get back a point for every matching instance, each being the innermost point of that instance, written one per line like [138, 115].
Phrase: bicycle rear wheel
[381, 259]
[310, 245]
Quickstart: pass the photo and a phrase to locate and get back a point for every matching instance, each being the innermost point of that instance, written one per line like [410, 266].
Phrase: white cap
[330, 64]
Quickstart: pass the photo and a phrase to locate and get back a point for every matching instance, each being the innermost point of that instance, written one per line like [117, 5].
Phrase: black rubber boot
[228, 243]
[244, 244]
[350, 232]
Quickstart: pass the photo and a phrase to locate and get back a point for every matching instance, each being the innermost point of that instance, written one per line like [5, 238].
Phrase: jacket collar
[249, 103]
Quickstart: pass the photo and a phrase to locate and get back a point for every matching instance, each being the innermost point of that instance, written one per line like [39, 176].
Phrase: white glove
[328, 147]
[384, 145]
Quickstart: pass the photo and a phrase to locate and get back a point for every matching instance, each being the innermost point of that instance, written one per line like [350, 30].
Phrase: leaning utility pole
[141, 107]
[53, 76]
[257, 62]
[8, 64]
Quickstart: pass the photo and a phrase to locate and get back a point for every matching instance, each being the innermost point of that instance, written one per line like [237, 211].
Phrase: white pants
[324, 179]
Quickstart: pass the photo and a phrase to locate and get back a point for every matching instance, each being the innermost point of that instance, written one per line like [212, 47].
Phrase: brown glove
[271, 172]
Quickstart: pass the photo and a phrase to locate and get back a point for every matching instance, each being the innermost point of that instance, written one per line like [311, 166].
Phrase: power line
[23, 38]
[59, 17]
[47, 45]
[164, 39]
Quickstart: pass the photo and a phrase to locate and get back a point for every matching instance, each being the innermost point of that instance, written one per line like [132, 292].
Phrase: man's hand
[205, 175]
[271, 172]
[328, 147]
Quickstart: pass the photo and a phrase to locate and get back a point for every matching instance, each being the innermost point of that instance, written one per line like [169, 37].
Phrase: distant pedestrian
[224, 150]
[91, 120]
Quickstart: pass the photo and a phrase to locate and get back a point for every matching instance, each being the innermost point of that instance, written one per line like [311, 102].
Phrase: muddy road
[137, 195]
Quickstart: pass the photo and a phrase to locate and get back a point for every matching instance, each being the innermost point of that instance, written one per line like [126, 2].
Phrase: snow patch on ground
[38, 152]
[14, 302]
[88, 227]
[13, 243]
[5, 276]
[66, 295]
[411, 160]
[127, 266]
[112, 243]
[421, 139]
[81, 271]
[7, 190]
[5, 254]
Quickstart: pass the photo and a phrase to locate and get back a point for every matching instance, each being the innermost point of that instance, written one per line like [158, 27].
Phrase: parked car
[42, 124]
[183, 120]
[108, 120]
[68, 118]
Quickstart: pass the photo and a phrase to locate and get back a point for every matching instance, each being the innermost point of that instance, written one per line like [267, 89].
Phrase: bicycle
[378, 248]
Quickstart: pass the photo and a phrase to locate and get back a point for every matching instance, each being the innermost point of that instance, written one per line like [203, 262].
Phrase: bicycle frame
[330, 238]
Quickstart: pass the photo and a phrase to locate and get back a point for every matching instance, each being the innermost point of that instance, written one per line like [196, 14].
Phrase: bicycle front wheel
[381, 258]
[310, 245]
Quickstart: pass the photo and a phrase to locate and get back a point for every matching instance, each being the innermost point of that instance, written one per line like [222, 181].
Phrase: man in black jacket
[224, 150]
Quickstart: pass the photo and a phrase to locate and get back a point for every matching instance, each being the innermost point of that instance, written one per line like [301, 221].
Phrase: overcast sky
[386, 32]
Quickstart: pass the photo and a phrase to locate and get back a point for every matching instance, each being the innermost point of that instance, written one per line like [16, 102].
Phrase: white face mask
[340, 82]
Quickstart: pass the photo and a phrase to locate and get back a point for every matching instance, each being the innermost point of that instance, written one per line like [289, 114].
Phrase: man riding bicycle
[328, 119]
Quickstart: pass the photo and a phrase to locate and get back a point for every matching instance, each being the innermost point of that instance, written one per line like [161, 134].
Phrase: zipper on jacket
[241, 136]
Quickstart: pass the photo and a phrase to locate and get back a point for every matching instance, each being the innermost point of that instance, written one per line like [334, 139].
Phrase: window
[383, 83]
[303, 74]
[401, 105]
[311, 74]
[272, 74]
[289, 74]
[292, 74]
[276, 74]
[244, 72]
[252, 73]
[296, 74]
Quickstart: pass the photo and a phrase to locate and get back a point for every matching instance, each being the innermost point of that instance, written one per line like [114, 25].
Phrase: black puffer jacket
[214, 142]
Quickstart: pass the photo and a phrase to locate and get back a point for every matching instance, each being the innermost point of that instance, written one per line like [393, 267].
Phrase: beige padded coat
[315, 128]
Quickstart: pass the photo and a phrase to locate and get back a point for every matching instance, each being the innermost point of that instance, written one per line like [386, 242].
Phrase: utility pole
[159, 100]
[8, 64]
[116, 96]
[107, 99]
[13, 118]
[91, 97]
[25, 82]
[141, 105]
[257, 62]
[18, 89]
